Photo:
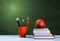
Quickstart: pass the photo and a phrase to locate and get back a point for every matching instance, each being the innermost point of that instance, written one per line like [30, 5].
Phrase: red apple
[40, 23]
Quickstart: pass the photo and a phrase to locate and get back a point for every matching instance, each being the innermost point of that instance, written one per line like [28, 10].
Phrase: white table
[28, 38]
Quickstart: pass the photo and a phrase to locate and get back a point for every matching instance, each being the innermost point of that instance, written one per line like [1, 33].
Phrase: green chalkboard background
[49, 10]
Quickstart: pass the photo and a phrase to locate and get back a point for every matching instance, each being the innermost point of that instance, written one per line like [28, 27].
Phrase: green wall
[49, 10]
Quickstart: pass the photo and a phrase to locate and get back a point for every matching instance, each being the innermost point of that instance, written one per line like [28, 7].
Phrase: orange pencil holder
[22, 31]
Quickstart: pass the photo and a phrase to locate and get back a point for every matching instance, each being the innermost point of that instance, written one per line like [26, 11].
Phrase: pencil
[27, 21]
[23, 22]
[18, 22]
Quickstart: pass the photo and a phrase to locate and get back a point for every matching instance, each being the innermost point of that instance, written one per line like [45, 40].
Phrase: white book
[45, 37]
[41, 31]
[43, 34]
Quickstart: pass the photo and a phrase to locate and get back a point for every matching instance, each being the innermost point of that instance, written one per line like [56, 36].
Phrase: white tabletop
[28, 38]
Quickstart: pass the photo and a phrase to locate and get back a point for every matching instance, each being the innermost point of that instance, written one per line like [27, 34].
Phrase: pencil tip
[28, 18]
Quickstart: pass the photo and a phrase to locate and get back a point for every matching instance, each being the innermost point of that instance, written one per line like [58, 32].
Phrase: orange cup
[22, 31]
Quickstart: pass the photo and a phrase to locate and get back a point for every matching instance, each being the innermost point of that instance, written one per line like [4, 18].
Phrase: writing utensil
[27, 21]
[18, 22]
[22, 22]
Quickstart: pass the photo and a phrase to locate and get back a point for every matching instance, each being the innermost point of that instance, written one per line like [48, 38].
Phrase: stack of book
[42, 33]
